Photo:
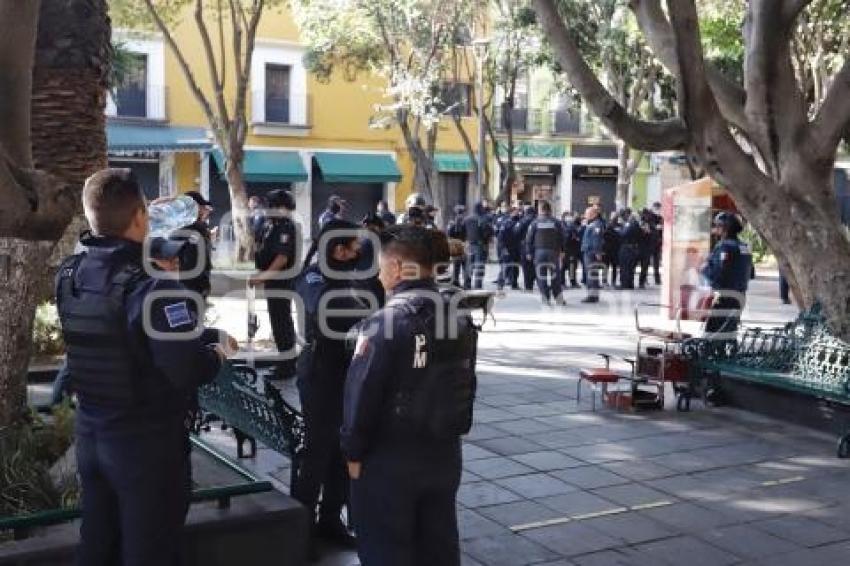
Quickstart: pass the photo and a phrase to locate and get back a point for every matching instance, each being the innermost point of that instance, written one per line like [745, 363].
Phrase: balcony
[138, 104]
[281, 115]
[522, 120]
[565, 122]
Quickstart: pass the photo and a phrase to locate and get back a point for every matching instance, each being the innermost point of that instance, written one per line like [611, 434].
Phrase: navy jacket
[729, 266]
[592, 240]
[181, 365]
[385, 353]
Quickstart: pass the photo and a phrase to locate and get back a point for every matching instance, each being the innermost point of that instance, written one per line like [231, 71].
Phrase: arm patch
[178, 315]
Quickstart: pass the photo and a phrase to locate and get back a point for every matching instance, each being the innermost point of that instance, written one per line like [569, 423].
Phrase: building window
[131, 96]
[277, 93]
[457, 98]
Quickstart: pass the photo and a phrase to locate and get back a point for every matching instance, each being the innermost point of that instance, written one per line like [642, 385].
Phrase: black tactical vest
[547, 235]
[437, 402]
[103, 370]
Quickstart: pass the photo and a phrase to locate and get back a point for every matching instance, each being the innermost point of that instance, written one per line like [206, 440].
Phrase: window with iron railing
[277, 94]
[131, 95]
[521, 120]
[457, 98]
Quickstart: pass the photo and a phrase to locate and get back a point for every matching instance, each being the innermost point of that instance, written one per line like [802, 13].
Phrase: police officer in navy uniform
[728, 272]
[631, 235]
[591, 249]
[197, 253]
[408, 399]
[334, 300]
[276, 259]
[334, 210]
[456, 231]
[509, 249]
[545, 247]
[528, 274]
[134, 381]
[478, 230]
[572, 249]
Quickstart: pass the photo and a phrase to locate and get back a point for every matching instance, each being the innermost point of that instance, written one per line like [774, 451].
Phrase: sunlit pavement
[548, 481]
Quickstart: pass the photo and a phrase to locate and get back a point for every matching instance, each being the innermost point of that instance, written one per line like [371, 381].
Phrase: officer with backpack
[408, 400]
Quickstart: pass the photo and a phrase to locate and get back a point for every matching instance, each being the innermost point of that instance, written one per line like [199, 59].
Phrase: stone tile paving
[549, 482]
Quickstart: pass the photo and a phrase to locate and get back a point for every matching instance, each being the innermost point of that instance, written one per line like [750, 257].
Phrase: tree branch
[640, 134]
[711, 139]
[659, 35]
[184, 66]
[832, 122]
[209, 53]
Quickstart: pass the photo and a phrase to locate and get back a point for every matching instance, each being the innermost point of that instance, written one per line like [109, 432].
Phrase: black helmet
[415, 199]
[729, 221]
[280, 198]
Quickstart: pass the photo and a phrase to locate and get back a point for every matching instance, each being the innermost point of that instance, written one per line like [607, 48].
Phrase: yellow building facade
[157, 128]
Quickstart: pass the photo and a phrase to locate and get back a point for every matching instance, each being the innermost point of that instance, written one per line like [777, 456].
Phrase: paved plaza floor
[549, 481]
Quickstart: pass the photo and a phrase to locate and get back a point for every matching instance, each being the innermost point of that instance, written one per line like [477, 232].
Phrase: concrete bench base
[257, 530]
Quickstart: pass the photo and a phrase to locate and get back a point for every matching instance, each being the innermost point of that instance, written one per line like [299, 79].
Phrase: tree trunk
[239, 211]
[21, 264]
[624, 180]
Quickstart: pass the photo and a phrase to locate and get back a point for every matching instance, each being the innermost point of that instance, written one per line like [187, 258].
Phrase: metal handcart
[660, 359]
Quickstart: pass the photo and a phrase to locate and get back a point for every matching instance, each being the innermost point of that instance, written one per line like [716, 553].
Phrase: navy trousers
[548, 271]
[476, 260]
[405, 508]
[135, 496]
[283, 330]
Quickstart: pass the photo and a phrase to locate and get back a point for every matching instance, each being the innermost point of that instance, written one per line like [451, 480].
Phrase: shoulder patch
[362, 346]
[178, 315]
[313, 278]
[284, 238]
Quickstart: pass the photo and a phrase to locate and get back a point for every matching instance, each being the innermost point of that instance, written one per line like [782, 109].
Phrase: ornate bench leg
[844, 446]
[241, 437]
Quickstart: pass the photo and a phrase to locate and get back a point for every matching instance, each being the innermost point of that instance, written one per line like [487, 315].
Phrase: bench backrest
[824, 363]
[249, 403]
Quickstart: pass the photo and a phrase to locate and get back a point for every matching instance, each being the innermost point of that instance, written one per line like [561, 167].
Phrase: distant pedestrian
[334, 210]
[457, 231]
[478, 233]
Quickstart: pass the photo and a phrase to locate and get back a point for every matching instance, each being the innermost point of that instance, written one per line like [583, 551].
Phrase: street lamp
[481, 47]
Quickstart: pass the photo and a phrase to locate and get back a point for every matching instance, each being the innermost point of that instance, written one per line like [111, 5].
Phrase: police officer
[383, 211]
[572, 249]
[728, 272]
[333, 303]
[456, 231]
[611, 248]
[408, 399]
[648, 244]
[509, 249]
[134, 381]
[528, 274]
[197, 254]
[545, 247]
[334, 209]
[591, 250]
[276, 259]
[630, 233]
[415, 200]
[478, 232]
[657, 238]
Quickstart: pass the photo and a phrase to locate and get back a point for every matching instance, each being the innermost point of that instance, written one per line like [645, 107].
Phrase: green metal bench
[802, 357]
[255, 410]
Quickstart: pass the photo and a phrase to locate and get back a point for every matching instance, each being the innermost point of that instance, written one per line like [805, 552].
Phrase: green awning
[453, 163]
[269, 166]
[141, 138]
[358, 168]
[535, 149]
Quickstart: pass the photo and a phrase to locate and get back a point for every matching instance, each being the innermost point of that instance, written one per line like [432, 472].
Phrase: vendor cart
[659, 360]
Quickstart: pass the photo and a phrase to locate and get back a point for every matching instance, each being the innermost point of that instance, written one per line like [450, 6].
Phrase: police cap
[729, 221]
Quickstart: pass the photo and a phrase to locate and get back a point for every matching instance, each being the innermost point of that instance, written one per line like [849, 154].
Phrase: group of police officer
[384, 413]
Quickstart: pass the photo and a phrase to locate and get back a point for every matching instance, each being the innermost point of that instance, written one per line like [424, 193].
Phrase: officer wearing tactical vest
[545, 247]
[136, 355]
[334, 301]
[728, 272]
[276, 259]
[408, 399]
[630, 235]
[478, 230]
